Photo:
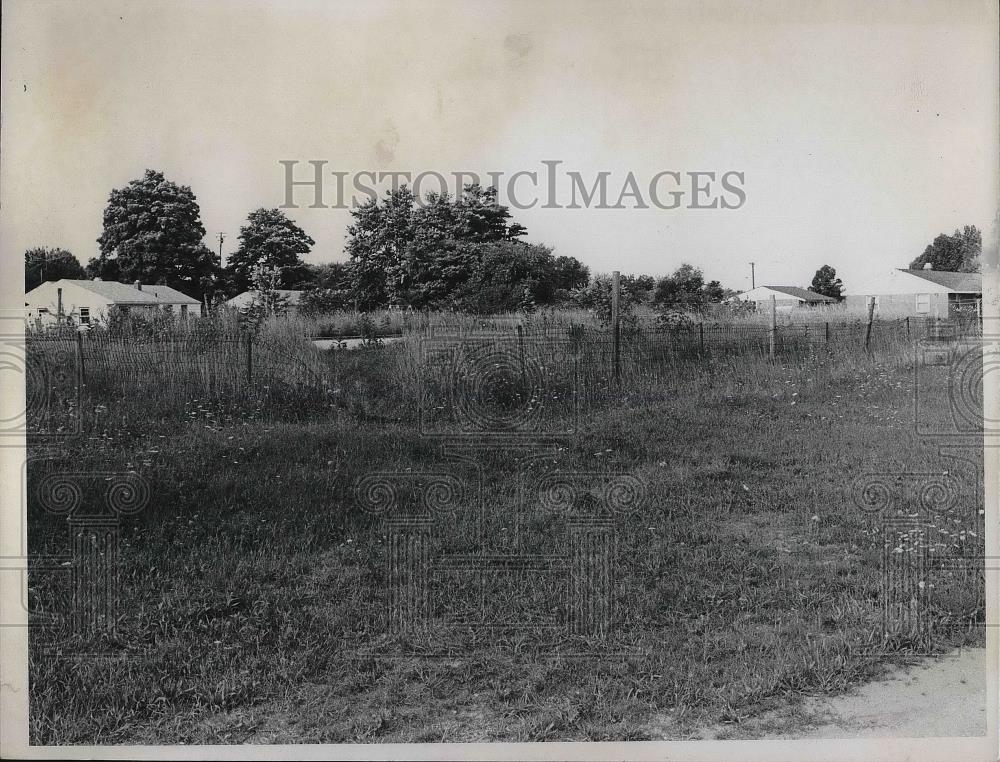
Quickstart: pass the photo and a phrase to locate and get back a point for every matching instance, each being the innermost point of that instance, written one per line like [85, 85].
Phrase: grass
[253, 590]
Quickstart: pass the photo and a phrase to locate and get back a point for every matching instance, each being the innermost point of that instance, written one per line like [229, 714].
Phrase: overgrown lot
[253, 589]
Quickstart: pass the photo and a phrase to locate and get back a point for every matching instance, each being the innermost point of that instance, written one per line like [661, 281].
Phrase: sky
[862, 130]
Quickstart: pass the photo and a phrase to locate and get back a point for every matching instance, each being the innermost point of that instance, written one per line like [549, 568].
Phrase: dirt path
[941, 697]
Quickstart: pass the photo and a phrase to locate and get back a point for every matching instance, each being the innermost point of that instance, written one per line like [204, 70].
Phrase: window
[184, 310]
[84, 316]
[43, 311]
[923, 303]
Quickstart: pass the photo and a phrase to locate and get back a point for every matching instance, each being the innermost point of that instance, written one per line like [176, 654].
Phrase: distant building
[81, 302]
[785, 297]
[244, 300]
[921, 292]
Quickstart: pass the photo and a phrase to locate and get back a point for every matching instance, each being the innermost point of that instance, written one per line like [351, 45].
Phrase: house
[244, 300]
[927, 292]
[785, 297]
[83, 301]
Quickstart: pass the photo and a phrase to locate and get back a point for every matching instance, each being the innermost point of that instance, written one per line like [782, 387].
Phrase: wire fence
[259, 367]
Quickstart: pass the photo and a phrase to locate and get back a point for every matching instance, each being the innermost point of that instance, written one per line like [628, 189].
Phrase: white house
[82, 301]
[926, 292]
[244, 300]
[785, 297]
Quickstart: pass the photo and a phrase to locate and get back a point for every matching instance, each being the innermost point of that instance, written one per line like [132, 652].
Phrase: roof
[113, 291]
[169, 295]
[290, 295]
[123, 293]
[801, 293]
[964, 283]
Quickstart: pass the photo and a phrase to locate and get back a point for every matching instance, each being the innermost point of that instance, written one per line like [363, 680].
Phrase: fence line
[231, 364]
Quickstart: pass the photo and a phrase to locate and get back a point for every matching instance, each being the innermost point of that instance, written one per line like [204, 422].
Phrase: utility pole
[753, 280]
[222, 262]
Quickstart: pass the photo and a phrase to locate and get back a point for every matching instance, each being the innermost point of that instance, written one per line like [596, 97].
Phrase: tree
[826, 283]
[959, 252]
[153, 233]
[43, 264]
[332, 275]
[597, 295]
[421, 256]
[507, 276]
[329, 289]
[267, 301]
[375, 243]
[686, 290]
[270, 239]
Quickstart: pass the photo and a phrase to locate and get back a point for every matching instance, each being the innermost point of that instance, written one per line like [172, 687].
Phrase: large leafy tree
[460, 253]
[826, 283]
[686, 289]
[46, 264]
[271, 240]
[419, 255]
[376, 241]
[959, 252]
[153, 233]
[505, 276]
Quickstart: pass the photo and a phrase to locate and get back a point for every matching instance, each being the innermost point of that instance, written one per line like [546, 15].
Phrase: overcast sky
[862, 133]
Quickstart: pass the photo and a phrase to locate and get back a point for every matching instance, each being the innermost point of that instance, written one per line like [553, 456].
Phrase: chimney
[928, 265]
[138, 285]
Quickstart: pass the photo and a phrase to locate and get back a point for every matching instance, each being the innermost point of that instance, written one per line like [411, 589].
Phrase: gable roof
[116, 292]
[169, 295]
[801, 293]
[965, 283]
[123, 293]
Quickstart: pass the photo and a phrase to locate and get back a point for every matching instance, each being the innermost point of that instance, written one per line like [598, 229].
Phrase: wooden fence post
[907, 328]
[249, 360]
[774, 327]
[520, 353]
[871, 316]
[81, 369]
[615, 321]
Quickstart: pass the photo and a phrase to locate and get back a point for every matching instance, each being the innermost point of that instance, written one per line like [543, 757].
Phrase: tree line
[461, 253]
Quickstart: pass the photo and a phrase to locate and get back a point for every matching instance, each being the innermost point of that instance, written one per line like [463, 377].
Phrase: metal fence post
[774, 327]
[871, 316]
[615, 322]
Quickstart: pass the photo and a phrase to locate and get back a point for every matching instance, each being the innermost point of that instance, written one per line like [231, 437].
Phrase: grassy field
[253, 589]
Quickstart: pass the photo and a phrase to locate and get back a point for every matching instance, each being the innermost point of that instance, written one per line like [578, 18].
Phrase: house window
[184, 310]
[84, 316]
[923, 303]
